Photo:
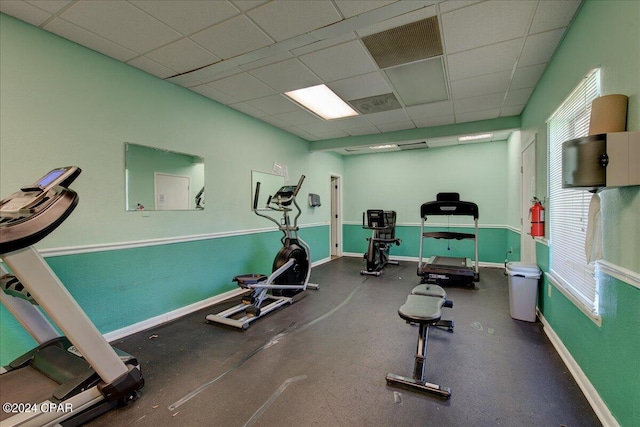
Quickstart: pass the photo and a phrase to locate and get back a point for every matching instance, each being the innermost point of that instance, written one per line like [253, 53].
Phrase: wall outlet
[549, 290]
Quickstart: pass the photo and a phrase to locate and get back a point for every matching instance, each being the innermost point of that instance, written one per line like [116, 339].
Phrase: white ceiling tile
[360, 86]
[265, 61]
[182, 56]
[518, 97]
[330, 134]
[151, 67]
[351, 123]
[215, 94]
[351, 8]
[338, 62]
[485, 23]
[478, 103]
[481, 85]
[51, 6]
[243, 87]
[449, 5]
[248, 109]
[274, 104]
[245, 5]
[122, 23]
[286, 75]
[435, 109]
[297, 118]
[81, 36]
[284, 19]
[424, 122]
[527, 76]
[477, 115]
[512, 110]
[365, 130]
[188, 16]
[24, 11]
[484, 60]
[319, 126]
[390, 116]
[233, 37]
[551, 15]
[323, 44]
[390, 127]
[539, 48]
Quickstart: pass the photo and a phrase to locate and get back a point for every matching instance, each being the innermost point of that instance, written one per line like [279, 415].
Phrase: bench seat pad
[421, 309]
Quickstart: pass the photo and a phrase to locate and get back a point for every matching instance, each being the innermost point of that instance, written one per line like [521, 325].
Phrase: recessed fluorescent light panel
[419, 82]
[322, 101]
[469, 138]
[383, 146]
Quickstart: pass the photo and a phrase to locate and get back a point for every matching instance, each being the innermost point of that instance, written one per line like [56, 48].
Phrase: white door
[336, 220]
[527, 243]
[172, 192]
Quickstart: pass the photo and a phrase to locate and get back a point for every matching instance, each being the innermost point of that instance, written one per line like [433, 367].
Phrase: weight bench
[423, 307]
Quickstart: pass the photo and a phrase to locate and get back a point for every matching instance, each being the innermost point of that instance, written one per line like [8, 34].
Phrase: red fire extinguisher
[536, 212]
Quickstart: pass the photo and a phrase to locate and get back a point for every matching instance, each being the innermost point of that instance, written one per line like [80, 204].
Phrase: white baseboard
[182, 311]
[172, 315]
[596, 402]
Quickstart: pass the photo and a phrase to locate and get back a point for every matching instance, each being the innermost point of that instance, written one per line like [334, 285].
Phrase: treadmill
[66, 380]
[443, 269]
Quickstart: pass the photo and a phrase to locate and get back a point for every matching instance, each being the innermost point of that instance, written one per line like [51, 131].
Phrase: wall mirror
[269, 185]
[160, 180]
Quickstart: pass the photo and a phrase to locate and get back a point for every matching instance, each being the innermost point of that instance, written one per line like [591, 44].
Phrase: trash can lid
[523, 269]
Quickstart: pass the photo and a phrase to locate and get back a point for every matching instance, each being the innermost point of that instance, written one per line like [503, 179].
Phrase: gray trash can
[523, 290]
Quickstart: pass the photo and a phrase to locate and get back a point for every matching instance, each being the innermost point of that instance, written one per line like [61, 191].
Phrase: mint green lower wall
[122, 287]
[513, 244]
[609, 355]
[492, 242]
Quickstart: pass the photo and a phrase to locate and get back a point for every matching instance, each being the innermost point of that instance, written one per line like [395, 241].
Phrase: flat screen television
[584, 162]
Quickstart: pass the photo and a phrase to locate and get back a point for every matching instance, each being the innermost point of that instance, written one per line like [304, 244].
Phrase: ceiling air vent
[376, 104]
[413, 145]
[407, 43]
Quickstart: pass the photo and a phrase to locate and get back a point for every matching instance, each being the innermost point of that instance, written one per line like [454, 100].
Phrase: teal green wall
[403, 181]
[605, 34]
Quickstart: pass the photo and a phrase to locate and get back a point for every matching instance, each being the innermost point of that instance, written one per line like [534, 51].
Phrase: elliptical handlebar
[283, 198]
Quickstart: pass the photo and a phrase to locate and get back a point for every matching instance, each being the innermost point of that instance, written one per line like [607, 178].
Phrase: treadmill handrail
[449, 208]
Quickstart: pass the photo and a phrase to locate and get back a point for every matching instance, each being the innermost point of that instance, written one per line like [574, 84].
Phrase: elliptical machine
[291, 266]
[383, 235]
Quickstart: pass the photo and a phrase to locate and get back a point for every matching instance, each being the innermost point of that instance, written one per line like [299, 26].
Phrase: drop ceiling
[246, 54]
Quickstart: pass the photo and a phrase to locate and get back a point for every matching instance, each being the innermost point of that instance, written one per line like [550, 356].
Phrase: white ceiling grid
[246, 54]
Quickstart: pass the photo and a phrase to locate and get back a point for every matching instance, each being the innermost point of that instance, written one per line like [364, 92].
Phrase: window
[569, 208]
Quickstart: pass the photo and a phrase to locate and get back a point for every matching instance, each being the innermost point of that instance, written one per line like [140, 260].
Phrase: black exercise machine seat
[421, 309]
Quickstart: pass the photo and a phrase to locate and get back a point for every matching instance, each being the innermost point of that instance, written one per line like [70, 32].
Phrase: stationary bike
[383, 226]
[291, 266]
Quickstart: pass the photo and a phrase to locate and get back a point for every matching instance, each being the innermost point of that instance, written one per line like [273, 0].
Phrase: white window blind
[569, 208]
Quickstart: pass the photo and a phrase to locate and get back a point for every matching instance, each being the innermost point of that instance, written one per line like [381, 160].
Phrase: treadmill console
[28, 215]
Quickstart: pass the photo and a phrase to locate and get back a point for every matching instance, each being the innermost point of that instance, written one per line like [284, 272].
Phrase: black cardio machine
[291, 266]
[444, 269]
[66, 380]
[383, 235]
